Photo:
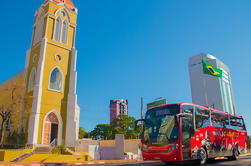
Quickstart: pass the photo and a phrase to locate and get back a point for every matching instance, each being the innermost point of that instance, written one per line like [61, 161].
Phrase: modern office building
[118, 107]
[208, 90]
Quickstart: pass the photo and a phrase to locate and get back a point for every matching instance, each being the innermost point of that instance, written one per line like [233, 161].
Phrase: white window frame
[60, 91]
[61, 29]
[55, 57]
[66, 31]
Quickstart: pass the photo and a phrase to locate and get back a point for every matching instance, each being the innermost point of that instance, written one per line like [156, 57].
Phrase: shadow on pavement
[194, 163]
[55, 164]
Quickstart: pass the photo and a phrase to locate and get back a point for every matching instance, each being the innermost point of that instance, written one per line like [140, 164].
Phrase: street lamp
[159, 98]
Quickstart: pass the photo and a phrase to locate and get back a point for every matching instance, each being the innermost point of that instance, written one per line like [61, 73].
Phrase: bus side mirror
[182, 115]
[192, 132]
[135, 125]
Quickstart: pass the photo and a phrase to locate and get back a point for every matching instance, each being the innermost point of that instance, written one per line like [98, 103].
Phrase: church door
[50, 132]
[54, 132]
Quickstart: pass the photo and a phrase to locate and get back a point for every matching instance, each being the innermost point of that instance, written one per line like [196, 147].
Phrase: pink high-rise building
[118, 107]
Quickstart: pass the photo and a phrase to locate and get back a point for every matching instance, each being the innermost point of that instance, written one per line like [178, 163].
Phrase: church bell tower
[50, 112]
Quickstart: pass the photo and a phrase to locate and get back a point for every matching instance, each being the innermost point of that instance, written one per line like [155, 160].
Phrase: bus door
[187, 131]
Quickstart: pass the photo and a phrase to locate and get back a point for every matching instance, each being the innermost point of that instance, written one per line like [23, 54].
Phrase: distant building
[118, 107]
[208, 90]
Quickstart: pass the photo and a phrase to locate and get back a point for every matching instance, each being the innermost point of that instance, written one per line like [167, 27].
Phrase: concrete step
[43, 150]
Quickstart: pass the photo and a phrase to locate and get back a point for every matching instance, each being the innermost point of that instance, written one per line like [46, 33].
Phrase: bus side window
[233, 123]
[215, 120]
[202, 118]
[227, 123]
[219, 119]
[237, 123]
[187, 109]
[190, 126]
[243, 125]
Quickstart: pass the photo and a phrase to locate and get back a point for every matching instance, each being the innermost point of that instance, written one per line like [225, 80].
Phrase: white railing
[53, 144]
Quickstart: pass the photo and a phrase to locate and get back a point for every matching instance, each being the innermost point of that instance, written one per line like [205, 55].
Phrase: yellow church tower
[50, 111]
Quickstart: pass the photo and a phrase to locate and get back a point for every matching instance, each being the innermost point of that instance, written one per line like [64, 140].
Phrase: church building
[47, 110]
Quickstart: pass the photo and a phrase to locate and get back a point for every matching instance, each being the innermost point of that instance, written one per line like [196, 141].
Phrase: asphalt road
[243, 161]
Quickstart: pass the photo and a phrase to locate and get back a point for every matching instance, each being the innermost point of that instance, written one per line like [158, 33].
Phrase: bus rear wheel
[203, 156]
[235, 155]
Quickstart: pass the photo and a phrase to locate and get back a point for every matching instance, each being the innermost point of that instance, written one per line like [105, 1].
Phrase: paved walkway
[96, 162]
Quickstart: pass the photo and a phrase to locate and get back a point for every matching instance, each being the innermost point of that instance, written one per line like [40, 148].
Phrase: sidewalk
[68, 163]
[79, 163]
[116, 161]
[103, 162]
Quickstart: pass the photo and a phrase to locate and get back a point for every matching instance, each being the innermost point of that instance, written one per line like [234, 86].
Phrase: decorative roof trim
[75, 11]
[58, 46]
[63, 9]
[51, 15]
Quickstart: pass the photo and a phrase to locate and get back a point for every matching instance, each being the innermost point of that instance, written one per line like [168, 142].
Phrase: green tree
[120, 125]
[83, 133]
[102, 131]
[249, 141]
[123, 124]
[6, 111]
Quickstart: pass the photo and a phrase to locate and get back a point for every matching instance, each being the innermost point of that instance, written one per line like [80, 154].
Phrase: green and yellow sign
[156, 103]
[211, 70]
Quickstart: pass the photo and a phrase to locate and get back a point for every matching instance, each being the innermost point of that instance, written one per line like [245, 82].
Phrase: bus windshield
[161, 126]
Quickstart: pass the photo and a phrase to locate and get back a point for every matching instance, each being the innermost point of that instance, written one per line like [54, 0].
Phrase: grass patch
[55, 158]
[7, 155]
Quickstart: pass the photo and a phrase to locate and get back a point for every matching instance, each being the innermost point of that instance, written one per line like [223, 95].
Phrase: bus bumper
[163, 156]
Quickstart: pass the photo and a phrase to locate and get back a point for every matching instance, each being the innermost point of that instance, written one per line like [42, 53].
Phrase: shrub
[61, 149]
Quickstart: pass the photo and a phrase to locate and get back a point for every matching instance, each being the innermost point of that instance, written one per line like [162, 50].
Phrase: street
[243, 160]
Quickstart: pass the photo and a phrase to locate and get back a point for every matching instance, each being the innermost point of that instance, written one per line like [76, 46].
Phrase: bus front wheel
[203, 156]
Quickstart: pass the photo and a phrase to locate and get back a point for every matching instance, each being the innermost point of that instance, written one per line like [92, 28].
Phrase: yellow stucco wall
[50, 100]
[33, 63]
[15, 86]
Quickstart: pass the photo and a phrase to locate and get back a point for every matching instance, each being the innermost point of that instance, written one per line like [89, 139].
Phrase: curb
[245, 154]
[102, 162]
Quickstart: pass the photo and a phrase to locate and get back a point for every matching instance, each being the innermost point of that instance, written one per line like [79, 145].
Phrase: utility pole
[141, 112]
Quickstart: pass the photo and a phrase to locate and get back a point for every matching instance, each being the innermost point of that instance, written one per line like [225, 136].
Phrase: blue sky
[133, 48]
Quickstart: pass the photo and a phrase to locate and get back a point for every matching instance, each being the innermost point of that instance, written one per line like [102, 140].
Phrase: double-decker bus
[185, 131]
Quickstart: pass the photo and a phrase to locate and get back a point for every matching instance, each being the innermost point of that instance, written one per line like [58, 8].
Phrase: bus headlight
[172, 148]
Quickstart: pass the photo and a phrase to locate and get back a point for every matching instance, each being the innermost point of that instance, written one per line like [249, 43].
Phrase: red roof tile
[67, 2]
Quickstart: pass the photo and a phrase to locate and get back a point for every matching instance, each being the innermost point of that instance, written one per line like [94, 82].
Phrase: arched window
[56, 80]
[61, 28]
[64, 31]
[32, 80]
[57, 29]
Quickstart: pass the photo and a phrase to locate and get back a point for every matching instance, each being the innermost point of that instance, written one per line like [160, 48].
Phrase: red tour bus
[185, 131]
